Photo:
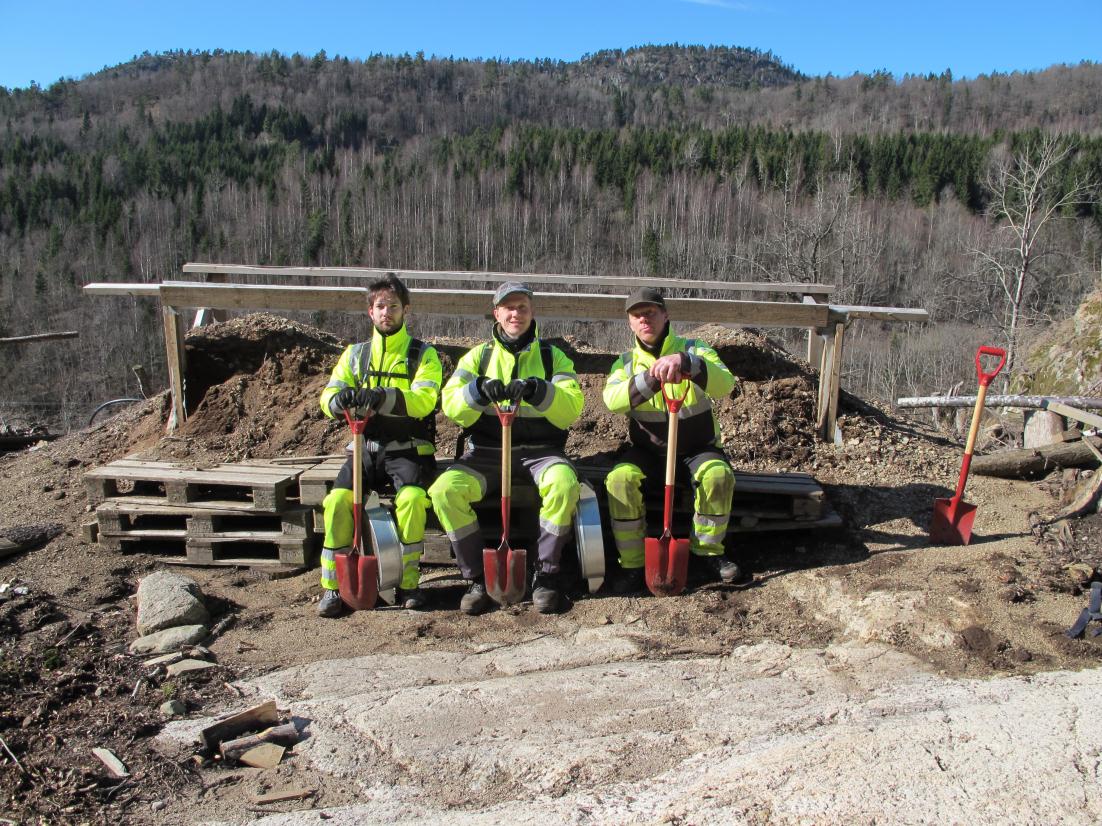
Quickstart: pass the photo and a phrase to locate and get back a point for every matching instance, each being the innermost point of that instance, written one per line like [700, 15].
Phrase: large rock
[166, 600]
[582, 731]
[169, 640]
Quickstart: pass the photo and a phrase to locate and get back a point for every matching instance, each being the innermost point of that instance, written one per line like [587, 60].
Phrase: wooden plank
[296, 523]
[1074, 413]
[227, 728]
[122, 288]
[155, 504]
[842, 313]
[314, 484]
[629, 281]
[231, 470]
[476, 303]
[229, 474]
[144, 534]
[177, 364]
[226, 550]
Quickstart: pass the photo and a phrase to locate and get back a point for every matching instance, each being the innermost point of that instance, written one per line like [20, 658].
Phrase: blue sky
[43, 42]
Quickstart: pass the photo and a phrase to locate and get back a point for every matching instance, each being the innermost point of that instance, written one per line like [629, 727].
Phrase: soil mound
[253, 385]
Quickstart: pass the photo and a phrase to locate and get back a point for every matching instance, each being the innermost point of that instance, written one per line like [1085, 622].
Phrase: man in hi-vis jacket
[634, 388]
[397, 378]
[514, 365]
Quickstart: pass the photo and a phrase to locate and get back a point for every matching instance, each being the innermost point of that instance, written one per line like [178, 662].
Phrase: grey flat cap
[508, 288]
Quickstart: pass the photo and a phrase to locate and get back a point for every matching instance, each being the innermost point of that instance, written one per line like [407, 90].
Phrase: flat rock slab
[584, 731]
[185, 666]
[169, 640]
[167, 599]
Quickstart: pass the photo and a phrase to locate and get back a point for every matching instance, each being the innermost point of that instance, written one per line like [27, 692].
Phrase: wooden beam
[121, 288]
[177, 364]
[39, 337]
[1074, 413]
[845, 312]
[477, 304]
[501, 277]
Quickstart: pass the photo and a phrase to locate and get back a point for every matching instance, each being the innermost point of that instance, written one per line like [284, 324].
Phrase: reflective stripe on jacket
[543, 424]
[630, 389]
[408, 410]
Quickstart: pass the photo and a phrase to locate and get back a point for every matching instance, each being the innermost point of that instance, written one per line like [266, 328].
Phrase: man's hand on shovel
[671, 369]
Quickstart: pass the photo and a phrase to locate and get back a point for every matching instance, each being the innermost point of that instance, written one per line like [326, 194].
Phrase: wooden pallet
[229, 534]
[260, 487]
[251, 548]
[315, 482]
[124, 515]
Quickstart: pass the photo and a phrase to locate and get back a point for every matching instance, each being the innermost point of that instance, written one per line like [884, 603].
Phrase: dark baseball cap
[644, 295]
[508, 288]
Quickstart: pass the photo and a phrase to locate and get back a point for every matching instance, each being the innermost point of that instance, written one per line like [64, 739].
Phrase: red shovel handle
[985, 378]
[506, 413]
[673, 403]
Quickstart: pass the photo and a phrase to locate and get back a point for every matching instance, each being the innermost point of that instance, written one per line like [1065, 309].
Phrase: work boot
[412, 598]
[629, 581]
[476, 600]
[727, 571]
[545, 592]
[330, 604]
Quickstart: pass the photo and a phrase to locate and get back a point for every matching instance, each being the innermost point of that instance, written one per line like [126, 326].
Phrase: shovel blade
[952, 526]
[667, 565]
[506, 571]
[358, 580]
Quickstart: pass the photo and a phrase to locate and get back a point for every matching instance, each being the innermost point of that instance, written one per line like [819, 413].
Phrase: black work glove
[344, 400]
[531, 390]
[496, 391]
[371, 398]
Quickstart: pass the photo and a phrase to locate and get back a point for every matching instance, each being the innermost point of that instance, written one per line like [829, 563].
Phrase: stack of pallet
[229, 514]
[270, 514]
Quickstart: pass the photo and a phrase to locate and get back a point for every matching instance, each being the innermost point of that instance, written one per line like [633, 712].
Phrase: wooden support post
[177, 364]
[830, 371]
[814, 339]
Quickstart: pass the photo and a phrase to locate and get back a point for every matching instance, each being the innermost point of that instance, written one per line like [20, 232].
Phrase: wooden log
[286, 735]
[1038, 402]
[1042, 427]
[1085, 501]
[1037, 461]
[252, 718]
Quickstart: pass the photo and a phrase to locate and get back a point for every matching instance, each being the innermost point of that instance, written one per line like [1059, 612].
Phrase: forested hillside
[682, 161]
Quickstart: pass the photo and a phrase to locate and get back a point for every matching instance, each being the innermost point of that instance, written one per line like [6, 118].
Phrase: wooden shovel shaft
[357, 490]
[671, 471]
[506, 479]
[970, 444]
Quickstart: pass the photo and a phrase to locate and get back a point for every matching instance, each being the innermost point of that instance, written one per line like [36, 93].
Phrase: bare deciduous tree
[1026, 196]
